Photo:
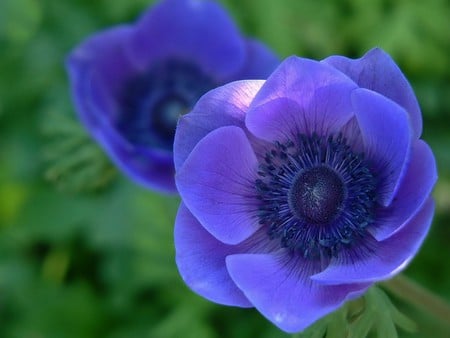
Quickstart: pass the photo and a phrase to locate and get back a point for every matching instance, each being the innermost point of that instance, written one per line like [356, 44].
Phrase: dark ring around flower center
[152, 102]
[315, 195]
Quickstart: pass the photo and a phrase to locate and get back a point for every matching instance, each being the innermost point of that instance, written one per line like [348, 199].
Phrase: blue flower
[130, 83]
[301, 191]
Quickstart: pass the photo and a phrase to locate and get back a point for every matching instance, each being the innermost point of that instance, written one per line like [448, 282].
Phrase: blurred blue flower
[130, 83]
[299, 192]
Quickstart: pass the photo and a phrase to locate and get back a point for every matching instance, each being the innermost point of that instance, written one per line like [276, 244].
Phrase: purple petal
[192, 30]
[386, 259]
[94, 55]
[414, 190]
[223, 106]
[148, 167]
[386, 134]
[201, 261]
[82, 95]
[216, 182]
[283, 294]
[351, 132]
[378, 72]
[96, 77]
[303, 96]
[260, 61]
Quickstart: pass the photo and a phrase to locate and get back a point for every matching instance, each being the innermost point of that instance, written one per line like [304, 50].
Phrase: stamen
[316, 195]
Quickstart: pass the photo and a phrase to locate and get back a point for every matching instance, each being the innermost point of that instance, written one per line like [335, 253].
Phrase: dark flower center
[152, 103]
[316, 195]
[166, 112]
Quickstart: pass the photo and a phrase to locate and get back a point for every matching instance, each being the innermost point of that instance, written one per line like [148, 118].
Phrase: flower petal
[378, 72]
[94, 84]
[386, 134]
[94, 55]
[223, 106]
[260, 61]
[149, 167]
[82, 96]
[216, 182]
[283, 294]
[201, 261]
[96, 78]
[414, 190]
[386, 258]
[192, 30]
[301, 96]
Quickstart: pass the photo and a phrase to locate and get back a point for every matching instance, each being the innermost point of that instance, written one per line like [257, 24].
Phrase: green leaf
[74, 162]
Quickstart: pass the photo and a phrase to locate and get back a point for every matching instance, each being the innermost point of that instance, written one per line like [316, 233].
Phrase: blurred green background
[86, 253]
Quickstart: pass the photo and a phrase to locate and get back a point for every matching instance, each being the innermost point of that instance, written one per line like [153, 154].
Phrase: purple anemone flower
[130, 83]
[301, 191]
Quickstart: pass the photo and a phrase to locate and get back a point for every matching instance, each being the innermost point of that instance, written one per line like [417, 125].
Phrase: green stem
[416, 295]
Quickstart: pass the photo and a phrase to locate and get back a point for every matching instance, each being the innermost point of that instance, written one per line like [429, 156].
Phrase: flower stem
[416, 295]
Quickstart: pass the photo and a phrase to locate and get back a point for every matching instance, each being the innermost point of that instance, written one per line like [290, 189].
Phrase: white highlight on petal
[279, 317]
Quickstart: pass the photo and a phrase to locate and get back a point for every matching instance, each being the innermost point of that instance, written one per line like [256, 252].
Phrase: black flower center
[151, 104]
[316, 195]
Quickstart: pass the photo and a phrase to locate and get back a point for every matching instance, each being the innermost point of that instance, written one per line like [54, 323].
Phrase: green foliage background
[86, 258]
